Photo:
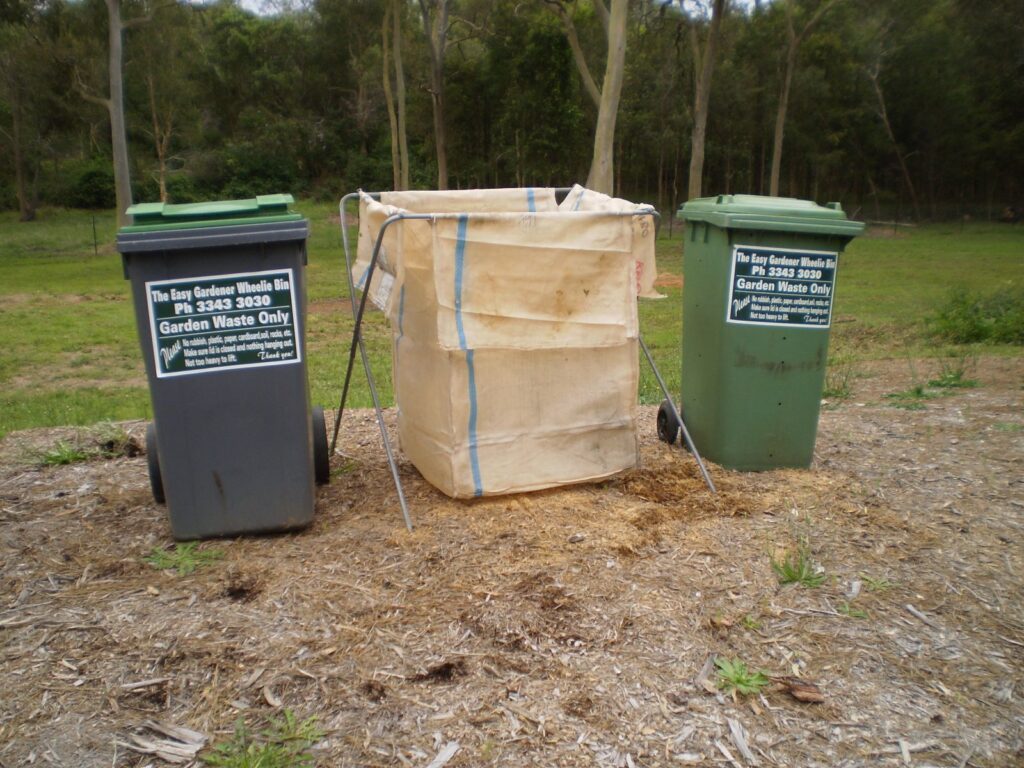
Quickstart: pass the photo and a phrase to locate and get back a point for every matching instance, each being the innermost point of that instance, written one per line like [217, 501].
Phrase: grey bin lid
[774, 214]
[167, 227]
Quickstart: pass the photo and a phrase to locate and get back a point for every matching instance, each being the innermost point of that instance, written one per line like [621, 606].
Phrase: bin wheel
[156, 480]
[321, 454]
[668, 426]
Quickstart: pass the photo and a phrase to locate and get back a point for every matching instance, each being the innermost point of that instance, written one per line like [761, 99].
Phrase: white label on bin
[781, 287]
[223, 322]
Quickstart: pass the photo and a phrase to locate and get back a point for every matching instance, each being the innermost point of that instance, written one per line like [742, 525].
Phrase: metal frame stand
[359, 309]
[682, 424]
[357, 340]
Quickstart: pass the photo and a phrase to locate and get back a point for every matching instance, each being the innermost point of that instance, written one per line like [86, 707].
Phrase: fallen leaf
[270, 698]
[801, 690]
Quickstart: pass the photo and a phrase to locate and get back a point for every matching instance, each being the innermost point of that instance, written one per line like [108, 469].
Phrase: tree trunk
[794, 40]
[436, 30]
[780, 116]
[883, 113]
[161, 138]
[26, 200]
[661, 175]
[602, 166]
[118, 135]
[702, 100]
[403, 141]
[396, 162]
[577, 50]
[675, 190]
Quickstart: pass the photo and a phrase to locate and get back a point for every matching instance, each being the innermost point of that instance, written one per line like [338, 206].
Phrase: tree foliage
[888, 96]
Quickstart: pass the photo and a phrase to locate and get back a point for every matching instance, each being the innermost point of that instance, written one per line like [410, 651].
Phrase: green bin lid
[152, 217]
[776, 214]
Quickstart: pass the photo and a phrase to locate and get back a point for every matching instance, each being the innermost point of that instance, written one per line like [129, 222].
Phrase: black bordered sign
[781, 286]
[222, 322]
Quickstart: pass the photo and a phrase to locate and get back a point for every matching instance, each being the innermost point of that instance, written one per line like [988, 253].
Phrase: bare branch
[790, 6]
[818, 14]
[83, 90]
[140, 20]
[478, 28]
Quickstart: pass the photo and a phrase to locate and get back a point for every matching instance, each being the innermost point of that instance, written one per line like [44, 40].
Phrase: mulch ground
[573, 627]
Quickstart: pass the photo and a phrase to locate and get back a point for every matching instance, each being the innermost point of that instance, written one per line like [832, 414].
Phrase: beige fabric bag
[582, 199]
[515, 336]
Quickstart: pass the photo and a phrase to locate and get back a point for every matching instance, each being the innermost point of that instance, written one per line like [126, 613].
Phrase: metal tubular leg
[682, 424]
[357, 339]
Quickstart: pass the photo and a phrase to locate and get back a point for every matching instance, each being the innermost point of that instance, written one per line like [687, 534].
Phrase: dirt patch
[668, 280]
[330, 307]
[568, 627]
[887, 231]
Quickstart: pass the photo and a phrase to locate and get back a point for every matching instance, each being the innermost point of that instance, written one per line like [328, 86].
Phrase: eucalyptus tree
[605, 96]
[28, 66]
[113, 101]
[799, 23]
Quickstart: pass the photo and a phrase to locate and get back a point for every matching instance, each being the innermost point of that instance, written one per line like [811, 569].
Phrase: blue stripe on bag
[401, 312]
[579, 200]
[460, 259]
[530, 202]
[474, 458]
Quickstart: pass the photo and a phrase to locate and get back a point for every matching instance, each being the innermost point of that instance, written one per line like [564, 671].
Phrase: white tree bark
[385, 33]
[704, 65]
[115, 105]
[606, 96]
[403, 141]
[435, 26]
[602, 166]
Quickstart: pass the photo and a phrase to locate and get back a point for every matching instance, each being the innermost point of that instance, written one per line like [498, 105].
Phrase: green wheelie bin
[759, 280]
[219, 291]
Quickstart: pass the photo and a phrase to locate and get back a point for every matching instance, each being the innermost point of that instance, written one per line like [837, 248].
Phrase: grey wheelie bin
[759, 278]
[220, 305]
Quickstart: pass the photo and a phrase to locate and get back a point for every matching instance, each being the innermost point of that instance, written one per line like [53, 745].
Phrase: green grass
[796, 567]
[184, 558]
[888, 287]
[876, 584]
[912, 399]
[955, 372]
[734, 676]
[62, 453]
[749, 621]
[839, 376]
[847, 609]
[103, 441]
[70, 354]
[285, 743]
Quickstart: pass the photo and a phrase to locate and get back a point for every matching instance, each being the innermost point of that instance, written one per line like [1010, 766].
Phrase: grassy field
[70, 353]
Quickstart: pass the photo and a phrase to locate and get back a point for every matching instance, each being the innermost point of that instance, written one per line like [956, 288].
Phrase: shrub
[92, 186]
[967, 318]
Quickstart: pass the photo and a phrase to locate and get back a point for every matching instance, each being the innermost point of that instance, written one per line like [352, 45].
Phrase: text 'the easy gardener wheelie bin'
[759, 278]
[220, 306]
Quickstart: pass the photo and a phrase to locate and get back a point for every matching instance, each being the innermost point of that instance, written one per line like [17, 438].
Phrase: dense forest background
[898, 108]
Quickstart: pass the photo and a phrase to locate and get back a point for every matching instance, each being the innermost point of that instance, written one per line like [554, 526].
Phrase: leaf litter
[566, 627]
